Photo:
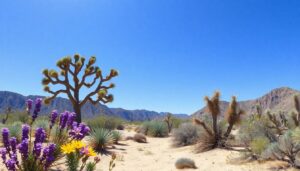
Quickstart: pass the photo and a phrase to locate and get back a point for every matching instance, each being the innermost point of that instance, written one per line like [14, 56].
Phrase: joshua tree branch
[199, 122]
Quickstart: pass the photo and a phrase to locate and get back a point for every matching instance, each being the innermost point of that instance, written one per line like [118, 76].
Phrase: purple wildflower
[53, 117]
[13, 144]
[37, 149]
[71, 118]
[3, 154]
[11, 164]
[63, 119]
[29, 105]
[25, 131]
[37, 108]
[48, 155]
[15, 158]
[40, 135]
[79, 131]
[5, 138]
[23, 148]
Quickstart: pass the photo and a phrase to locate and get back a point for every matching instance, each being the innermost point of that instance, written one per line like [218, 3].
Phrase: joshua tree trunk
[228, 131]
[77, 110]
[215, 127]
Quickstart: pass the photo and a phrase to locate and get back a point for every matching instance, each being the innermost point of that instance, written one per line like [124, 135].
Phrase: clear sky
[170, 53]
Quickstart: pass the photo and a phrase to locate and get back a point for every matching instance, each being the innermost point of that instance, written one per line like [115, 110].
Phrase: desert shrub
[285, 149]
[140, 138]
[158, 129]
[15, 130]
[214, 136]
[106, 122]
[259, 144]
[120, 127]
[186, 134]
[185, 163]
[100, 139]
[143, 128]
[117, 136]
[41, 123]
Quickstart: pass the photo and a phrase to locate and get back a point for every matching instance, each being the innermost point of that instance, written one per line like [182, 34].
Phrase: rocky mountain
[280, 99]
[17, 103]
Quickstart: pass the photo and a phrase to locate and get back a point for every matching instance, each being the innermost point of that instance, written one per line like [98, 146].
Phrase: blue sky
[170, 53]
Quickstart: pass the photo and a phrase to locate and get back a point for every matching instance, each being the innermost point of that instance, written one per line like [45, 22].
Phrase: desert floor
[158, 155]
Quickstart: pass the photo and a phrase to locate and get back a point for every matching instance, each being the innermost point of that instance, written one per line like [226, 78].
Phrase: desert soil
[158, 155]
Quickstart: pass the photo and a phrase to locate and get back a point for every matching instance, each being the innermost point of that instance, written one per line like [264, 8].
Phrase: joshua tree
[169, 121]
[7, 112]
[214, 137]
[73, 76]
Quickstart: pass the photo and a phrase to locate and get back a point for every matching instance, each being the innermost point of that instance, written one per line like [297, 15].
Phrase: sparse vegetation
[106, 122]
[186, 134]
[117, 136]
[154, 129]
[185, 163]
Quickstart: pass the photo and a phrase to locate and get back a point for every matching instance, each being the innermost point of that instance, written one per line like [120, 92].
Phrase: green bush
[100, 139]
[106, 122]
[186, 134]
[158, 129]
[41, 123]
[15, 130]
[259, 144]
[117, 136]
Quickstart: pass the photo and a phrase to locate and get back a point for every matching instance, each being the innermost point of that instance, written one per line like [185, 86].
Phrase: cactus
[73, 77]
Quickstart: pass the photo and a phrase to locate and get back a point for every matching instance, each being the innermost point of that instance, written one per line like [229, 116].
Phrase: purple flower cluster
[48, 155]
[66, 119]
[37, 107]
[53, 118]
[29, 105]
[10, 148]
[25, 131]
[79, 131]
[5, 138]
[23, 148]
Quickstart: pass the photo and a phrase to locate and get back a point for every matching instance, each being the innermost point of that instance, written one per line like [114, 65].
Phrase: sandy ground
[158, 155]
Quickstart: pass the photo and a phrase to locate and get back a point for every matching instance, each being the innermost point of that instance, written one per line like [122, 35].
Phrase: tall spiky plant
[233, 116]
[169, 121]
[213, 138]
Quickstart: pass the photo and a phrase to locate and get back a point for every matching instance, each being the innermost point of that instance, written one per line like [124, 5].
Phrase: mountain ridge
[17, 102]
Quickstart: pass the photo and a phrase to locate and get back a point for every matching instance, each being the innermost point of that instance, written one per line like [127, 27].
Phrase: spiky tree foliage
[233, 116]
[73, 76]
[296, 114]
[169, 121]
[278, 122]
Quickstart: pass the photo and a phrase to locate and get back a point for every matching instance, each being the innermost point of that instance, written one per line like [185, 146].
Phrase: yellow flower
[77, 144]
[67, 149]
[91, 152]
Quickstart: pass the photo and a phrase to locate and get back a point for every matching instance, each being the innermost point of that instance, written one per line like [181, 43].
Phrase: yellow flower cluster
[77, 145]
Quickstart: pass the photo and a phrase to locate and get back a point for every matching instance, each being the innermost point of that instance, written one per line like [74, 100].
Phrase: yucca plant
[100, 139]
[214, 137]
[117, 136]
[158, 129]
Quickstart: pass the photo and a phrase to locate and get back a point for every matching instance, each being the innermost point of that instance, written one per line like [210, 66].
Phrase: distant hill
[280, 99]
[17, 103]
